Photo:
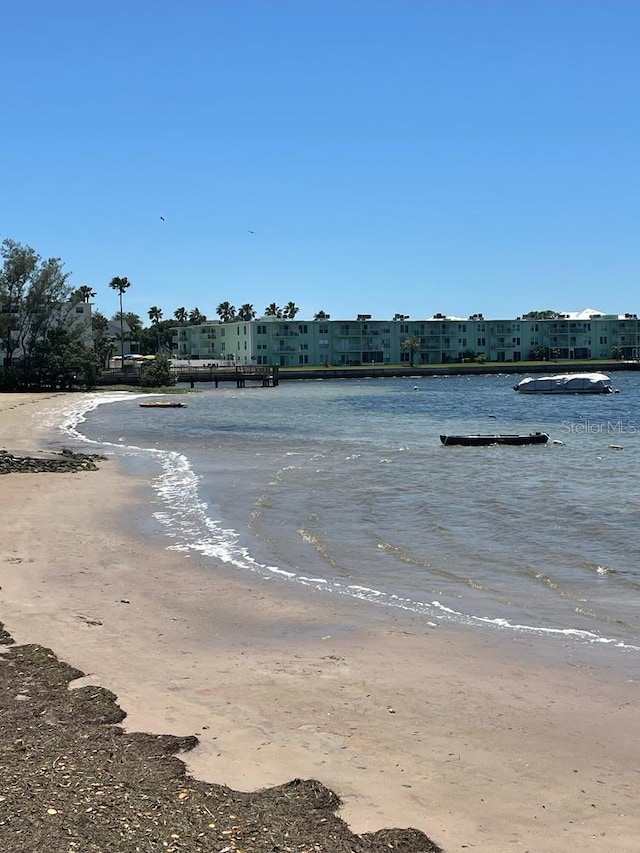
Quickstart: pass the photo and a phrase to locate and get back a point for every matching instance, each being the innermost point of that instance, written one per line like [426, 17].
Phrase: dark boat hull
[162, 405]
[486, 440]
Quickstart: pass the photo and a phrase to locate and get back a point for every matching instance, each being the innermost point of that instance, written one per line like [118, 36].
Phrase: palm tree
[155, 315]
[290, 310]
[410, 345]
[226, 311]
[196, 317]
[121, 285]
[181, 315]
[246, 312]
[84, 293]
[321, 315]
[273, 310]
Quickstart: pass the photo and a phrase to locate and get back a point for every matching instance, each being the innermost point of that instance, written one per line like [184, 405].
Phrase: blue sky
[453, 156]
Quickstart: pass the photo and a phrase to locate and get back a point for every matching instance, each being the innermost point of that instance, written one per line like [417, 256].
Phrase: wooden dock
[266, 376]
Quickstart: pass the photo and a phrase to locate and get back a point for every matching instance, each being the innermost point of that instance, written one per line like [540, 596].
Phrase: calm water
[344, 485]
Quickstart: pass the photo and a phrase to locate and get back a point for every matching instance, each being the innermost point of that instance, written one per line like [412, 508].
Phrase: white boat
[566, 383]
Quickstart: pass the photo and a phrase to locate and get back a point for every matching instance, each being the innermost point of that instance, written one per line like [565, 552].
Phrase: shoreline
[473, 740]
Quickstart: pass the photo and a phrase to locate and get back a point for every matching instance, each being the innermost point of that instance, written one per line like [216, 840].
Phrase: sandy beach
[474, 739]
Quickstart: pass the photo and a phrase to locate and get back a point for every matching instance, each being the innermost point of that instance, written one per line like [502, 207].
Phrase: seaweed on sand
[73, 781]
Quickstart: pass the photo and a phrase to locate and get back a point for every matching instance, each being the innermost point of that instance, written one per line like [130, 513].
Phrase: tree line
[43, 343]
[157, 337]
[45, 340]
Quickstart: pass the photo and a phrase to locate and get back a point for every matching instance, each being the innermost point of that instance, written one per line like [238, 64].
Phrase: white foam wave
[185, 519]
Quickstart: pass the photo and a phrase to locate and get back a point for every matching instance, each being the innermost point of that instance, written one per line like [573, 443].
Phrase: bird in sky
[250, 231]
[162, 217]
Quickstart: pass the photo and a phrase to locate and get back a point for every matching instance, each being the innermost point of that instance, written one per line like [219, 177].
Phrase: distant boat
[566, 383]
[486, 440]
[162, 404]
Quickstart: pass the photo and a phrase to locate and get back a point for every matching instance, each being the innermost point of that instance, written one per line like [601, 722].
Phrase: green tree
[290, 310]
[548, 314]
[46, 342]
[226, 312]
[155, 315]
[99, 324]
[158, 373]
[181, 315]
[273, 310]
[321, 315]
[134, 328]
[34, 297]
[410, 345]
[156, 338]
[20, 264]
[537, 353]
[121, 285]
[132, 320]
[196, 317]
[61, 359]
[83, 294]
[103, 342]
[246, 312]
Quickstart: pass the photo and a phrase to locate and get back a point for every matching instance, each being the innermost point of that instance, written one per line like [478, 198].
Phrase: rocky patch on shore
[64, 462]
[73, 781]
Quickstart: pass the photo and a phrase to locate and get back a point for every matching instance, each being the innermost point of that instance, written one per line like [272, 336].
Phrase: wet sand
[473, 738]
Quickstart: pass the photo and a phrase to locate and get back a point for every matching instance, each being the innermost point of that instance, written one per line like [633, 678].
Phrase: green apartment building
[437, 340]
